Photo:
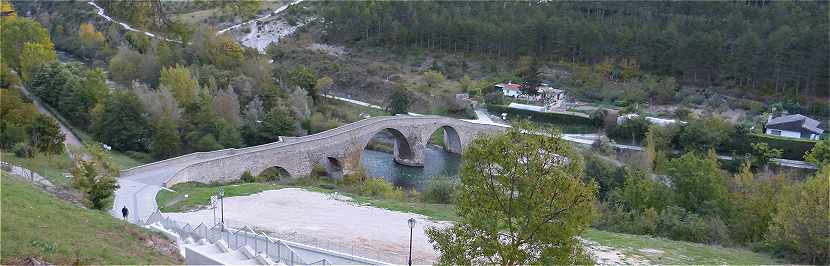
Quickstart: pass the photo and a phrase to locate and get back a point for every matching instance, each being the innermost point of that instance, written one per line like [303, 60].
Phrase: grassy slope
[52, 167]
[38, 224]
[199, 194]
[677, 252]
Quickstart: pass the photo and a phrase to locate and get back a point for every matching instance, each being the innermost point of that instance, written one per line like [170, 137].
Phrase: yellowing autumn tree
[91, 39]
[33, 56]
[179, 80]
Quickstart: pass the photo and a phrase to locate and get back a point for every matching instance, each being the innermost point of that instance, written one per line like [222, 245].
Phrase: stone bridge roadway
[339, 148]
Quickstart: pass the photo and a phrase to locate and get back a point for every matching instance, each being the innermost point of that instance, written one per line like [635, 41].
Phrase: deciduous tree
[521, 201]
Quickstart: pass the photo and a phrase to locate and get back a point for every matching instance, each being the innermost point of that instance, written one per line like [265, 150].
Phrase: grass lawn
[52, 167]
[40, 225]
[199, 194]
[677, 252]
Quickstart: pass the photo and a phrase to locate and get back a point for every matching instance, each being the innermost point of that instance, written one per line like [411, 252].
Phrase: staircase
[216, 245]
[220, 245]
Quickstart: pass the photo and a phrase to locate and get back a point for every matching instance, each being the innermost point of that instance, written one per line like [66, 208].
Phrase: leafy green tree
[698, 183]
[305, 78]
[33, 56]
[96, 185]
[753, 203]
[276, 123]
[705, 133]
[521, 201]
[14, 110]
[119, 121]
[180, 81]
[16, 33]
[799, 228]
[660, 142]
[399, 102]
[45, 135]
[820, 154]
[165, 142]
[8, 78]
[762, 153]
[641, 192]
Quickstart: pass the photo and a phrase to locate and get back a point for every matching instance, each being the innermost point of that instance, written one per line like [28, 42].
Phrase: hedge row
[793, 149]
[553, 118]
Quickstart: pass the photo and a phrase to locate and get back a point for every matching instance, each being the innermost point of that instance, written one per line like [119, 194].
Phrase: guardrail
[236, 238]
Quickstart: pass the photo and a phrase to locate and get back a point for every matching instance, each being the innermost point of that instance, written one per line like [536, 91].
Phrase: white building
[794, 126]
[510, 89]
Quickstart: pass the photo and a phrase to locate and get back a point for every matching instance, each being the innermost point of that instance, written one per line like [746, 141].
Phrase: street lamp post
[222, 203]
[411, 226]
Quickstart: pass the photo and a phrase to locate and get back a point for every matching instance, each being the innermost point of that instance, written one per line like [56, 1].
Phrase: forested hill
[781, 47]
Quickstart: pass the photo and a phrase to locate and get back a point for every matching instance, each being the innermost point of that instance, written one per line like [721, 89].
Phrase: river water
[437, 162]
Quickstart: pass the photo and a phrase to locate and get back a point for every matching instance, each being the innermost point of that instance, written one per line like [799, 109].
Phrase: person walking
[125, 212]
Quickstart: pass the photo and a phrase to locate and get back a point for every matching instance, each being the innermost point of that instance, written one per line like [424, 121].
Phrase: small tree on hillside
[45, 135]
[820, 154]
[399, 102]
[96, 185]
[762, 153]
[521, 201]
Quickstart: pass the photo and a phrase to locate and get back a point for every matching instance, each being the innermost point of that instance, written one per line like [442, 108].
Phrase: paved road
[71, 139]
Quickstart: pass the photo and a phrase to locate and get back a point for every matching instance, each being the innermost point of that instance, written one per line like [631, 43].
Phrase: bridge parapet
[297, 155]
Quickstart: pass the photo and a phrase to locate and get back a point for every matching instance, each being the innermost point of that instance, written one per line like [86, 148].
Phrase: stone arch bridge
[340, 148]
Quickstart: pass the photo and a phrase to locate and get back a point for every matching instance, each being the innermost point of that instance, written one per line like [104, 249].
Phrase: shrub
[379, 188]
[247, 177]
[23, 150]
[318, 170]
[355, 178]
[799, 228]
[440, 190]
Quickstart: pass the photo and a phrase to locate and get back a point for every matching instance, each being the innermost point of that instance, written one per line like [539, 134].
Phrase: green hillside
[36, 224]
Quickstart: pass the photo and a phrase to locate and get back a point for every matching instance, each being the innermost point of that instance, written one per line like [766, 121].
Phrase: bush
[379, 188]
[247, 177]
[23, 150]
[800, 229]
[11, 135]
[440, 190]
[355, 178]
[318, 170]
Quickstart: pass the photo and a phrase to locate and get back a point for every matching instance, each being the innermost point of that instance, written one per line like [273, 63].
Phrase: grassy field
[676, 252]
[39, 225]
[199, 194]
[52, 167]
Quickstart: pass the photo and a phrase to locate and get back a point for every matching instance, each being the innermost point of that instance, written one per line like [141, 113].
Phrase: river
[437, 162]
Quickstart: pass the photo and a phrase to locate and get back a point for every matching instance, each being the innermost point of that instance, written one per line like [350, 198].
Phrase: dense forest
[775, 48]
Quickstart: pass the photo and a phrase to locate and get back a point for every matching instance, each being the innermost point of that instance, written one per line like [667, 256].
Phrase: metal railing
[275, 249]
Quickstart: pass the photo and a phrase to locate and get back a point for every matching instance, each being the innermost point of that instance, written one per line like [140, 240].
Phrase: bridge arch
[334, 167]
[273, 173]
[448, 137]
[403, 150]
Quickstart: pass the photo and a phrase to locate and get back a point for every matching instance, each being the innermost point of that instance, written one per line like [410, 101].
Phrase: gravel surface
[326, 220]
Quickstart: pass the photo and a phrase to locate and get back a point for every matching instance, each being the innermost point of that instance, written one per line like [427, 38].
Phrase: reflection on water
[437, 162]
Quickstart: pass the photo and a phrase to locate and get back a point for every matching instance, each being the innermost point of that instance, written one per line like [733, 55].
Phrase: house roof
[805, 122]
[510, 86]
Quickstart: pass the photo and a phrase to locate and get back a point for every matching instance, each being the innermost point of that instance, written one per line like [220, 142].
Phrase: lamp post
[411, 226]
[222, 203]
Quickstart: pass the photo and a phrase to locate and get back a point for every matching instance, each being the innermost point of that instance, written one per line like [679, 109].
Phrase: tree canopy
[521, 201]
